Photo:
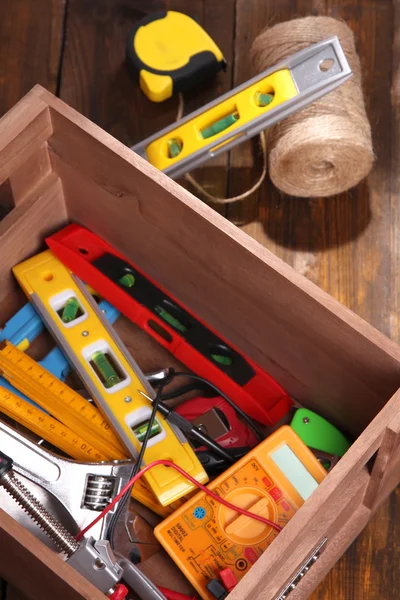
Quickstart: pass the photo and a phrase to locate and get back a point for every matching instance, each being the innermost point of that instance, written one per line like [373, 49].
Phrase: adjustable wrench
[83, 489]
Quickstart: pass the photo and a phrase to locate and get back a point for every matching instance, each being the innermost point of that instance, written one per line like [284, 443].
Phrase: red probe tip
[120, 593]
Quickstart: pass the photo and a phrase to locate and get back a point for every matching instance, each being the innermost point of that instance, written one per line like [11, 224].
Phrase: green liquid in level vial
[168, 318]
[140, 430]
[127, 280]
[70, 310]
[263, 99]
[174, 147]
[219, 126]
[108, 373]
[221, 359]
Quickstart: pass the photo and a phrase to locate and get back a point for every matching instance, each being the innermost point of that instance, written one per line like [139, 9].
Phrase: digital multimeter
[274, 480]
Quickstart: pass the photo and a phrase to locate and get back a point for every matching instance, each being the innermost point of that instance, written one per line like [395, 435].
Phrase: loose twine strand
[324, 149]
[199, 188]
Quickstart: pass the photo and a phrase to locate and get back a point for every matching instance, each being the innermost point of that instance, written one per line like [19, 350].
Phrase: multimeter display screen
[294, 470]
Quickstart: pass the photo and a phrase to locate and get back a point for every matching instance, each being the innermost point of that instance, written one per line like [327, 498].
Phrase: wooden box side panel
[23, 130]
[38, 197]
[36, 570]
[325, 514]
[23, 230]
[320, 351]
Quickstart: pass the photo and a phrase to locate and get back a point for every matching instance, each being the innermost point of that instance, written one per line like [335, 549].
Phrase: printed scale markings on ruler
[248, 109]
[59, 400]
[63, 438]
[115, 381]
[47, 427]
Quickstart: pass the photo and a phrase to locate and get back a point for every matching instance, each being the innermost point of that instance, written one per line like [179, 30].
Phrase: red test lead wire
[202, 487]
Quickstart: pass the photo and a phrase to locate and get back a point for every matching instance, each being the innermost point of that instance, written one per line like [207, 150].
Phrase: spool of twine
[325, 148]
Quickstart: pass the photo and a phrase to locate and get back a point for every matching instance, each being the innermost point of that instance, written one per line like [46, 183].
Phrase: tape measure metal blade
[169, 52]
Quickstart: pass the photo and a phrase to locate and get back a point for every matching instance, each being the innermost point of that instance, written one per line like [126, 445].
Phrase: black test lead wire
[239, 411]
[137, 466]
[191, 430]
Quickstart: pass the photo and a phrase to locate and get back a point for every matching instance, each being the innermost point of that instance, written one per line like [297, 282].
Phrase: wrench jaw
[99, 490]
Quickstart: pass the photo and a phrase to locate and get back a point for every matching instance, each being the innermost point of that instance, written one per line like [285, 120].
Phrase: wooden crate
[61, 168]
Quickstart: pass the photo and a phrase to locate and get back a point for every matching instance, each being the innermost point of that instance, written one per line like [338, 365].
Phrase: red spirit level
[189, 339]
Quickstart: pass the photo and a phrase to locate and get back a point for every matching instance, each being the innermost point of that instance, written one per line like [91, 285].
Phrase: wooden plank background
[349, 245]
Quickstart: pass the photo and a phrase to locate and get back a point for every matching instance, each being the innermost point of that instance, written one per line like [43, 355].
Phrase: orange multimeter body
[274, 480]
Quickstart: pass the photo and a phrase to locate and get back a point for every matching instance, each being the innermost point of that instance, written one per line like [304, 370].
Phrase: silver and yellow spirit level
[248, 109]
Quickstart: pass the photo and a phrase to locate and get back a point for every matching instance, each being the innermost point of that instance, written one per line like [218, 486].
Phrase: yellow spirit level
[273, 480]
[169, 52]
[248, 109]
[111, 376]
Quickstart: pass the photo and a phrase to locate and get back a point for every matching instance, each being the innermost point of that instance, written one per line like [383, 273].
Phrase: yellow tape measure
[63, 438]
[59, 400]
[169, 52]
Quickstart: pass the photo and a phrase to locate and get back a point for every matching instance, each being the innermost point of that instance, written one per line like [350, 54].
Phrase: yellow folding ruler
[59, 400]
[111, 376]
[47, 427]
[54, 430]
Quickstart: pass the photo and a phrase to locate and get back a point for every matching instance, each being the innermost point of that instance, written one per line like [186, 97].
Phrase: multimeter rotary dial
[244, 530]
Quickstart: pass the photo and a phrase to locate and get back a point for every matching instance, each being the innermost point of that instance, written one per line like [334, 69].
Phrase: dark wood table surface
[349, 245]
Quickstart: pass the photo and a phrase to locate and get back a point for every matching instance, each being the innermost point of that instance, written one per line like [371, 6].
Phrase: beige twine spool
[326, 148]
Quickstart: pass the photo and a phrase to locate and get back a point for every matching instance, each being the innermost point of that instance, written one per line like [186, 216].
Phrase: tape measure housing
[169, 52]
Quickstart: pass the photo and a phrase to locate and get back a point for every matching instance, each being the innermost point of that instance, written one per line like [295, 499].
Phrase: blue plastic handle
[27, 325]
